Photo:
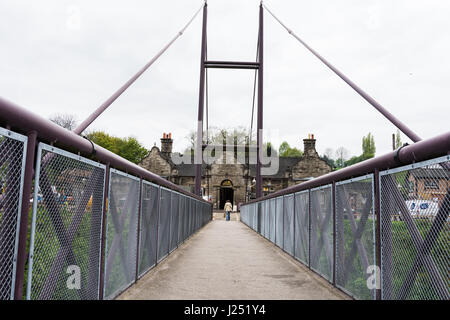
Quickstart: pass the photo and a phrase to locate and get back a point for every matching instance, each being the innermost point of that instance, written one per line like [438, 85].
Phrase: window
[431, 184]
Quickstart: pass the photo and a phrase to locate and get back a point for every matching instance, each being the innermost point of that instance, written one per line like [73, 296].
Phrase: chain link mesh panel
[254, 216]
[258, 217]
[121, 233]
[248, 214]
[322, 231]
[273, 219]
[164, 224]
[267, 213]
[279, 225]
[249, 208]
[174, 221]
[186, 219]
[149, 227]
[244, 214]
[355, 236]
[182, 217]
[192, 217]
[12, 164]
[415, 231]
[66, 227]
[302, 226]
[288, 237]
[197, 215]
[191, 213]
[263, 218]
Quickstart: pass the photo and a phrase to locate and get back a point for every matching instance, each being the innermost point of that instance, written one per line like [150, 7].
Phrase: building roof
[430, 173]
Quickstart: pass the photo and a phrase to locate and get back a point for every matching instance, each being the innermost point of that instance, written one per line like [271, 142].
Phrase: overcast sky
[397, 50]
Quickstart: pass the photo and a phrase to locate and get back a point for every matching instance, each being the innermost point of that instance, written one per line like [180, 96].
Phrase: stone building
[234, 182]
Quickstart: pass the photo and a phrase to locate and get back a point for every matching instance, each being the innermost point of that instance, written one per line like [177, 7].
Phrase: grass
[46, 249]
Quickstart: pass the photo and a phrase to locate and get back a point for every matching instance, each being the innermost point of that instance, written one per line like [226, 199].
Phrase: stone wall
[309, 165]
[155, 163]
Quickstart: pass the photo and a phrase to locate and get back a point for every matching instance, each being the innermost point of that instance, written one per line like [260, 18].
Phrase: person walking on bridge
[228, 208]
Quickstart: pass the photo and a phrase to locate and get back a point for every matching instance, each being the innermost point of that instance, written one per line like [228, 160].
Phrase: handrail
[24, 121]
[419, 151]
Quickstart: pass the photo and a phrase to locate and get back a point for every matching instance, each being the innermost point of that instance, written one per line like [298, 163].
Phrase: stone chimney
[166, 144]
[309, 149]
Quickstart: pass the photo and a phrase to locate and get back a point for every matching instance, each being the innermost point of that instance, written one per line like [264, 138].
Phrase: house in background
[428, 183]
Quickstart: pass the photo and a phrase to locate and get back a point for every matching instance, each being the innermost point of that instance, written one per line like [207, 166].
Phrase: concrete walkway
[227, 260]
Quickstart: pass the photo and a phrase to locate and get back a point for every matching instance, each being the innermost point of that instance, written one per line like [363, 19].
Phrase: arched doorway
[226, 193]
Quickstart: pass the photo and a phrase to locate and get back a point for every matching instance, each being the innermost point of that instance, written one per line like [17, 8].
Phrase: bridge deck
[227, 260]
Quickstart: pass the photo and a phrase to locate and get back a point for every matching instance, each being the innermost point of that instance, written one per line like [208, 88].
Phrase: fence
[12, 159]
[383, 235]
[98, 222]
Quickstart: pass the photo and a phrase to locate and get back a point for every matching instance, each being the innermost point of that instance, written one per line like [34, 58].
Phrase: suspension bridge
[101, 227]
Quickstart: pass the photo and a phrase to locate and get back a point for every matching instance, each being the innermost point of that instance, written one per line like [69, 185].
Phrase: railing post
[158, 208]
[333, 199]
[377, 230]
[138, 229]
[294, 223]
[26, 194]
[309, 228]
[102, 249]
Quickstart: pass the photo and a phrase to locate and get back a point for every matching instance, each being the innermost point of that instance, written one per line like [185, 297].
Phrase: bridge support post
[26, 194]
[198, 158]
[260, 104]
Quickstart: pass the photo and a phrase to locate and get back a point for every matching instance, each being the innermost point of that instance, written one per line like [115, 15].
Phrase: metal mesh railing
[164, 224]
[263, 218]
[12, 164]
[74, 253]
[197, 214]
[301, 229]
[148, 227]
[191, 216]
[182, 218]
[321, 244]
[273, 219]
[288, 237]
[65, 240]
[186, 218]
[279, 222]
[255, 217]
[174, 222]
[415, 231]
[355, 236]
[121, 234]
[334, 230]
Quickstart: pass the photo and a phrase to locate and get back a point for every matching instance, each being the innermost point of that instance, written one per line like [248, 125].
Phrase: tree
[329, 161]
[368, 147]
[68, 121]
[398, 140]
[341, 156]
[219, 136]
[285, 150]
[368, 150]
[128, 148]
[354, 160]
[269, 150]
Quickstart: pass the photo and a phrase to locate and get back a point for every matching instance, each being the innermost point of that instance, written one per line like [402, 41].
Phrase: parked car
[422, 208]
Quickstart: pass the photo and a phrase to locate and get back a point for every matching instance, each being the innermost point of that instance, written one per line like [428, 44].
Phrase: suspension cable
[86, 123]
[401, 126]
